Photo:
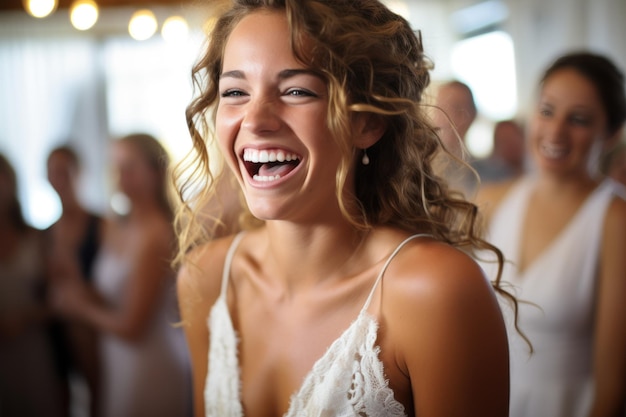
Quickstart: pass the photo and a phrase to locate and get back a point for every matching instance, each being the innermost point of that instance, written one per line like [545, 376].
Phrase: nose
[554, 128]
[262, 115]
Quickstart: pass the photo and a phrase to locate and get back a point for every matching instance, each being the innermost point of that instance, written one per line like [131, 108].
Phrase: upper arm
[454, 347]
[198, 286]
[610, 339]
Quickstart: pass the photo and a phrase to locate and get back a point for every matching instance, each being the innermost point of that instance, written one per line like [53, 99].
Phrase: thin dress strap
[228, 261]
[384, 268]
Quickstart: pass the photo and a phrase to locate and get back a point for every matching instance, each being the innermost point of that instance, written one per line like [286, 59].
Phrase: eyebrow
[283, 75]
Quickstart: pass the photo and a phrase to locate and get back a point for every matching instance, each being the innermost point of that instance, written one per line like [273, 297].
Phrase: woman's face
[569, 126]
[134, 176]
[271, 123]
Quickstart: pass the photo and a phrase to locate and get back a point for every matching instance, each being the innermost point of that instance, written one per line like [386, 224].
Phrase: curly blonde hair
[372, 62]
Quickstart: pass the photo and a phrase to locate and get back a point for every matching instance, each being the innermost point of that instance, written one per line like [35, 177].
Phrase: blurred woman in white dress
[563, 229]
[144, 357]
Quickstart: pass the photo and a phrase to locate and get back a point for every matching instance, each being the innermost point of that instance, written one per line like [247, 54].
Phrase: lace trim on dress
[347, 381]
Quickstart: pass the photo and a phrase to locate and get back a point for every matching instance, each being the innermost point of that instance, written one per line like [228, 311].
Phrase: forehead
[262, 36]
[60, 156]
[569, 86]
[121, 149]
[454, 94]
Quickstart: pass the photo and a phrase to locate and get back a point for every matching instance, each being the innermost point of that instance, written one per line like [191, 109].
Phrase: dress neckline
[364, 323]
[525, 190]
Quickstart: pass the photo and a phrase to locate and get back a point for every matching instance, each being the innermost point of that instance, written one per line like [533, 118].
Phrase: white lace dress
[348, 380]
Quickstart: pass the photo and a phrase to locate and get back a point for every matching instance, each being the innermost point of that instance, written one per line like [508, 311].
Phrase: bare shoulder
[201, 273]
[429, 271]
[615, 222]
[443, 322]
[616, 213]
[441, 287]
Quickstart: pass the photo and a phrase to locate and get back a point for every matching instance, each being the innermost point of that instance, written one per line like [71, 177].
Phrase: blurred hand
[68, 294]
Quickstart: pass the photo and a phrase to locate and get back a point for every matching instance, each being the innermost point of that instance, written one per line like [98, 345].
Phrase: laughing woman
[353, 291]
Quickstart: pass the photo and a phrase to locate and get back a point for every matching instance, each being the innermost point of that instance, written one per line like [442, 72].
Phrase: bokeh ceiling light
[142, 25]
[175, 29]
[40, 8]
[84, 14]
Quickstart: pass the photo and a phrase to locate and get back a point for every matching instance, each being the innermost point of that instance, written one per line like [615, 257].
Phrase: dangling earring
[366, 159]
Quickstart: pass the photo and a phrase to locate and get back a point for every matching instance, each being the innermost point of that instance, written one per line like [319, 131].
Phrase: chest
[278, 350]
[122, 239]
[544, 223]
[291, 358]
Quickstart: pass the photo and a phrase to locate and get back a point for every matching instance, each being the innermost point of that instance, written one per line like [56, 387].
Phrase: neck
[554, 186]
[71, 207]
[139, 208]
[312, 253]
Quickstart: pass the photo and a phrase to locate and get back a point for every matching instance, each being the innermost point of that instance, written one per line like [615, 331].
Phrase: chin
[264, 212]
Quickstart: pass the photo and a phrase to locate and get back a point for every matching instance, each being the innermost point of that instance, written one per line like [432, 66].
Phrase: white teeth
[266, 178]
[553, 152]
[264, 156]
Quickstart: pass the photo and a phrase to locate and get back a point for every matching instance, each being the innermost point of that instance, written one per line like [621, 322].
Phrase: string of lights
[84, 15]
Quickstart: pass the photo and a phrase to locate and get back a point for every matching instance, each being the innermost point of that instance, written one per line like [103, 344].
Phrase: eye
[232, 93]
[300, 92]
[579, 120]
[545, 112]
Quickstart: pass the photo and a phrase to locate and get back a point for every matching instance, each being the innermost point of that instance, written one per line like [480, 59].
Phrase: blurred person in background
[506, 160]
[456, 99]
[453, 114]
[29, 383]
[563, 231]
[144, 358]
[77, 231]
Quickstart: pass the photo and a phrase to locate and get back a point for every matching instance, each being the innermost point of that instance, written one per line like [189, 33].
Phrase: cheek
[590, 140]
[226, 127]
[534, 132]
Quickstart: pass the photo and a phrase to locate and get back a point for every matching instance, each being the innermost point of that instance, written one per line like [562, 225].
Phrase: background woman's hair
[158, 159]
[607, 78]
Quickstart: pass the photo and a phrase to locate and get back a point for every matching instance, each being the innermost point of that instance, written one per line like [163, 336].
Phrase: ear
[368, 128]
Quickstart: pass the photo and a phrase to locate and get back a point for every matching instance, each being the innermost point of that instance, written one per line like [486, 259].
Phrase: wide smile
[553, 151]
[269, 165]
